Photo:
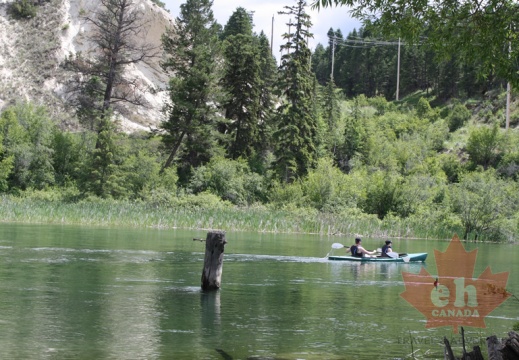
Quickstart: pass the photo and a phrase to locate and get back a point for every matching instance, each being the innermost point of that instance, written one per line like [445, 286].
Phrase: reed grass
[229, 218]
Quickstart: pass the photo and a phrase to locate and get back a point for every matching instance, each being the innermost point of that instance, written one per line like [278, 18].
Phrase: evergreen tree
[349, 66]
[241, 81]
[355, 135]
[481, 33]
[320, 64]
[192, 47]
[297, 128]
[268, 79]
[240, 22]
[119, 35]
[101, 172]
[448, 79]
[331, 114]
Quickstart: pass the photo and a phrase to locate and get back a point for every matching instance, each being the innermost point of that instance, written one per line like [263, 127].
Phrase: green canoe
[417, 257]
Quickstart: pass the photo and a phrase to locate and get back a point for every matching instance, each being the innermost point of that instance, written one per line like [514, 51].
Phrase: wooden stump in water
[506, 349]
[475, 354]
[493, 347]
[213, 262]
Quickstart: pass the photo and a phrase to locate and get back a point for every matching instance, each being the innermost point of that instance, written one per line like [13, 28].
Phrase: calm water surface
[71, 292]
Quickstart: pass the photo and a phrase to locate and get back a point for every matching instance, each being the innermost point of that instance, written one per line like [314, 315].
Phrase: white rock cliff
[32, 53]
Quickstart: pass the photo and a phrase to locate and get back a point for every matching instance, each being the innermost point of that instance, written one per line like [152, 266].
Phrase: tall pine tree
[269, 76]
[241, 81]
[192, 47]
[297, 128]
[240, 22]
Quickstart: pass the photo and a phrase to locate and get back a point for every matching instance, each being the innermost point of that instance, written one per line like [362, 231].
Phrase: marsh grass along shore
[199, 213]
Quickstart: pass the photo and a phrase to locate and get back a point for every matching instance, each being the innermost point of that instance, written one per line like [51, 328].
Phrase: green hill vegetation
[408, 175]
[249, 146]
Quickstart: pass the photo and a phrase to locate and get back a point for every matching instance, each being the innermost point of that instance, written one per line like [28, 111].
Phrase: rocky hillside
[32, 53]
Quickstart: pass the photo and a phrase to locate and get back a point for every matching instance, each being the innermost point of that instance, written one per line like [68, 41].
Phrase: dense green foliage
[191, 46]
[242, 83]
[365, 64]
[484, 33]
[23, 9]
[296, 135]
[400, 179]
[274, 149]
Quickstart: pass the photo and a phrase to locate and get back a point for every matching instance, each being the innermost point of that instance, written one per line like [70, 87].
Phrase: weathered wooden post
[493, 348]
[213, 262]
[507, 348]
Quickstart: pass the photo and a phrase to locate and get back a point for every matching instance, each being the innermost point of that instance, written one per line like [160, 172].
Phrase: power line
[367, 43]
[373, 42]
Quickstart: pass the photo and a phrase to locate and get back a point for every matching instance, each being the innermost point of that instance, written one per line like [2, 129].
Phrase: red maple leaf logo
[454, 298]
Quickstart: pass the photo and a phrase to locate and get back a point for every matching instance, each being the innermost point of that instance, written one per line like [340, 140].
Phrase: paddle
[335, 246]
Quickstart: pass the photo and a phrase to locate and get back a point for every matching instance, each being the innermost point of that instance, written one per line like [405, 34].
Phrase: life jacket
[354, 252]
[385, 249]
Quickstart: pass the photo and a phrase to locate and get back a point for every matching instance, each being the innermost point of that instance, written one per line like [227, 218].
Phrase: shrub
[327, 187]
[484, 146]
[27, 135]
[382, 190]
[423, 108]
[458, 117]
[202, 200]
[484, 203]
[436, 134]
[451, 166]
[23, 9]
[231, 180]
[380, 103]
[282, 195]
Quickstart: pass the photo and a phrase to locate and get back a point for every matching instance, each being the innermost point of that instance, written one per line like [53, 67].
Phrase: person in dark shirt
[387, 250]
[358, 251]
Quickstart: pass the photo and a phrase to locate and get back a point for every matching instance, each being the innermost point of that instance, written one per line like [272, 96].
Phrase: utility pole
[289, 34]
[308, 46]
[398, 72]
[272, 36]
[508, 90]
[333, 57]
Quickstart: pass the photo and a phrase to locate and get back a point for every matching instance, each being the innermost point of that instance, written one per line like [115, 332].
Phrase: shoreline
[258, 219]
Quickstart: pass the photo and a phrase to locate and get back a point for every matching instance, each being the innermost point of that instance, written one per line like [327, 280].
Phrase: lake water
[72, 292]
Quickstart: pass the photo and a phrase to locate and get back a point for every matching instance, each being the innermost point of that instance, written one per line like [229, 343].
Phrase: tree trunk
[493, 347]
[173, 153]
[448, 350]
[213, 262]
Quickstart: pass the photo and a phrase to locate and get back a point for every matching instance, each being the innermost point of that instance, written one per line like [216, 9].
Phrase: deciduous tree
[27, 136]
